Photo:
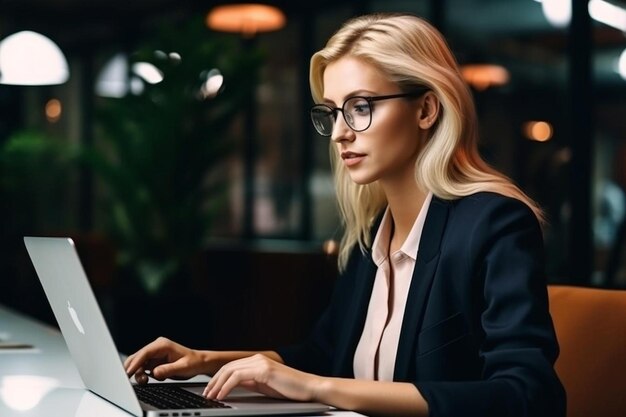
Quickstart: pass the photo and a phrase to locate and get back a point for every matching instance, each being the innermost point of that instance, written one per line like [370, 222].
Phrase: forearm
[371, 397]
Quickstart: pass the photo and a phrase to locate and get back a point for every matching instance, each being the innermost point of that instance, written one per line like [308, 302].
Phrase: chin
[362, 179]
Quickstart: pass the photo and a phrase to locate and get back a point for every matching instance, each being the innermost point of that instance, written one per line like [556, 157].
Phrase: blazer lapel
[355, 319]
[423, 274]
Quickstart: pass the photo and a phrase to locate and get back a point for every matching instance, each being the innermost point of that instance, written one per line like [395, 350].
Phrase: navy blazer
[477, 338]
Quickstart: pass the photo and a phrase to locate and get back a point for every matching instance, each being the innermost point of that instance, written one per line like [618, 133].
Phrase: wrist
[208, 360]
[320, 387]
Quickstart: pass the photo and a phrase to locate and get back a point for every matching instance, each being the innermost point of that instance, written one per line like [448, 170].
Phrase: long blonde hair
[411, 52]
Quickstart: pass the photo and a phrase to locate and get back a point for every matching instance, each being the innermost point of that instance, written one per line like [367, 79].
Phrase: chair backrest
[591, 328]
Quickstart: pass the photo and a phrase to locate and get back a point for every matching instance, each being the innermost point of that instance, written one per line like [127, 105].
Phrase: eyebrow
[364, 93]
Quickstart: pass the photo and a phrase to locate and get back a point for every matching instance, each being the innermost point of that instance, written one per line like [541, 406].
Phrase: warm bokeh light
[247, 19]
[53, 110]
[539, 131]
[483, 76]
[330, 247]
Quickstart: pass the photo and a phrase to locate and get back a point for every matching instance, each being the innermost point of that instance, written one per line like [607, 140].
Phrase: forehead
[348, 75]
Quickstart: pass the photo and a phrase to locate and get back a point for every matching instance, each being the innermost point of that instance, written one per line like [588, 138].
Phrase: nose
[341, 131]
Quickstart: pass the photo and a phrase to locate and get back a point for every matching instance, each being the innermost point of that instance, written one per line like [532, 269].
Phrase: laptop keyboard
[170, 397]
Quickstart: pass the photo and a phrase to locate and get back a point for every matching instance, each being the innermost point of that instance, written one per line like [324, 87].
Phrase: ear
[428, 111]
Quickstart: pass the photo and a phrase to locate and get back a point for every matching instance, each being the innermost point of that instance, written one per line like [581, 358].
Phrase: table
[39, 379]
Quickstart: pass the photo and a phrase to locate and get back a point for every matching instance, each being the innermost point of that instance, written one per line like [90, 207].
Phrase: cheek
[399, 119]
[400, 134]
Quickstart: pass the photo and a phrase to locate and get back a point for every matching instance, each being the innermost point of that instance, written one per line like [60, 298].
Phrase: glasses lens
[357, 113]
[323, 118]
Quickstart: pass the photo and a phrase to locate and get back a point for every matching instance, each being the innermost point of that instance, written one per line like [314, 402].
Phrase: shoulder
[489, 207]
[488, 217]
[485, 201]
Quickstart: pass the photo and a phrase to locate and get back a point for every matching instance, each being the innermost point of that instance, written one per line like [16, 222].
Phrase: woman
[441, 308]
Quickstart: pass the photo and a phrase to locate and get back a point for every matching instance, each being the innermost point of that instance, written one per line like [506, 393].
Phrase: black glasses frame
[369, 100]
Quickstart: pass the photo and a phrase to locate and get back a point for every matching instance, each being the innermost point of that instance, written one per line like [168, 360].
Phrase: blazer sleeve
[519, 346]
[317, 353]
[314, 355]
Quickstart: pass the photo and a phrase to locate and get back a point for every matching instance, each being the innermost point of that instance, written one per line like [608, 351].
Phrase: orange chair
[591, 328]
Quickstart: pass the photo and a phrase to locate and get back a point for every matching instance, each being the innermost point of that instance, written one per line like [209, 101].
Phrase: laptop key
[171, 397]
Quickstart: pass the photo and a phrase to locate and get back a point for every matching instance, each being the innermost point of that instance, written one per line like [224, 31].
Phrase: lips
[350, 155]
[351, 158]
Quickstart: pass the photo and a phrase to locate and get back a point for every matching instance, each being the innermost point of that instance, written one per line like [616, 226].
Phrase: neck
[405, 202]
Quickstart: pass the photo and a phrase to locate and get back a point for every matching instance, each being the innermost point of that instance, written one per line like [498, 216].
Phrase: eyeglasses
[357, 112]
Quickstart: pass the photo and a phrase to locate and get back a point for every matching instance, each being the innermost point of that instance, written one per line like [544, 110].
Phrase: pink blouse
[375, 354]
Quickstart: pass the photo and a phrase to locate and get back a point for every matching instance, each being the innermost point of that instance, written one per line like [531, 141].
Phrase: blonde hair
[411, 53]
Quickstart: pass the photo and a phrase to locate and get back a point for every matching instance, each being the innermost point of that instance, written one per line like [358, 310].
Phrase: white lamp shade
[28, 58]
[113, 78]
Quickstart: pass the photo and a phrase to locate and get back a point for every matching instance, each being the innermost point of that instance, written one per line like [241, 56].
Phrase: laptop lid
[92, 348]
[81, 322]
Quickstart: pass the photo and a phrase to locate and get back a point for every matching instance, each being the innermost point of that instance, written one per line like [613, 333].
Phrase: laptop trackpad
[235, 393]
[242, 398]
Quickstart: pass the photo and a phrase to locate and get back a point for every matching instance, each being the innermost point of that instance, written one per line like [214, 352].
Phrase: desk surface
[38, 377]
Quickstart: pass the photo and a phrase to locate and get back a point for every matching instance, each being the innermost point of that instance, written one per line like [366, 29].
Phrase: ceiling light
[558, 12]
[247, 19]
[621, 64]
[28, 58]
[608, 13]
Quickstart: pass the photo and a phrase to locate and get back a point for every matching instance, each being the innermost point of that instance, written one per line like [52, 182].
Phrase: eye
[323, 111]
[358, 106]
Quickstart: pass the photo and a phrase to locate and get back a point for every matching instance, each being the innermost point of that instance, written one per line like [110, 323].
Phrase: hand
[163, 359]
[264, 375]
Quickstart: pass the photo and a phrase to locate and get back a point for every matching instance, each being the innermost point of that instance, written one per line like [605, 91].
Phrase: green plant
[160, 149]
[36, 173]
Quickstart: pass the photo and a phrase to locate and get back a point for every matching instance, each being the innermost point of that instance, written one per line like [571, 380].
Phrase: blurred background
[172, 143]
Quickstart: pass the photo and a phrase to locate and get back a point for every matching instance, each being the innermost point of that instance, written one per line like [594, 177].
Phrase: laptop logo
[75, 318]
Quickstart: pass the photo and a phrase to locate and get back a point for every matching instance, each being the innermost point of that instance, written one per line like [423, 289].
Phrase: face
[387, 150]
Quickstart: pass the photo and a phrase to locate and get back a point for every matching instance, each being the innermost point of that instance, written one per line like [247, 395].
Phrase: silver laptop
[98, 361]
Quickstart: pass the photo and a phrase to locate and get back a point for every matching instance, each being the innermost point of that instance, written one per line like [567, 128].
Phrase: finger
[217, 380]
[247, 375]
[134, 362]
[128, 360]
[165, 371]
[227, 378]
[214, 386]
[225, 371]
[156, 349]
[180, 368]
[211, 383]
[141, 377]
